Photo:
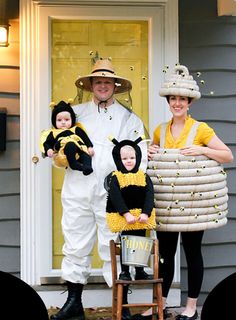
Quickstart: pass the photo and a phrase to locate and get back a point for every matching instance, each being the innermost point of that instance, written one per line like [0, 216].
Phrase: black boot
[73, 308]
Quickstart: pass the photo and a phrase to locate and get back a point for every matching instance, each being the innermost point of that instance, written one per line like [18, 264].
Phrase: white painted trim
[35, 93]
[27, 137]
[102, 2]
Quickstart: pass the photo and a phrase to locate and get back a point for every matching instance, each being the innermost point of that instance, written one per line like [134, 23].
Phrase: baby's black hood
[117, 157]
[60, 107]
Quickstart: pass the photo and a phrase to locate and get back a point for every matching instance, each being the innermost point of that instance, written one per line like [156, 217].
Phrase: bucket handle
[153, 231]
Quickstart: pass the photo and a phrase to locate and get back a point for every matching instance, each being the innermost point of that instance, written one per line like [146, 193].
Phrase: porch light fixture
[4, 32]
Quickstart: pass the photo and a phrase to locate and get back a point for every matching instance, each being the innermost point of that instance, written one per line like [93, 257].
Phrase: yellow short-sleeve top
[203, 135]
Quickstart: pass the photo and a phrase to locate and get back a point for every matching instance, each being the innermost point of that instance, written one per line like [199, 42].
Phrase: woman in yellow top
[180, 91]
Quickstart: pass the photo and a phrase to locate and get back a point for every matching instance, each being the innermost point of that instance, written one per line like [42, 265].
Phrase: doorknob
[35, 159]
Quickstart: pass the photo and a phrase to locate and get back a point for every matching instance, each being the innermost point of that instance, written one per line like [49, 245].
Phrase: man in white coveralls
[84, 197]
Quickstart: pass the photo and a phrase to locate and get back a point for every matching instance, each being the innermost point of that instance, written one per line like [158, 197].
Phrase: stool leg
[154, 298]
[114, 301]
[125, 311]
[159, 301]
[119, 301]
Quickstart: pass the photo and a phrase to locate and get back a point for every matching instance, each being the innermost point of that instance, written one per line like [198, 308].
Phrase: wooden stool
[117, 287]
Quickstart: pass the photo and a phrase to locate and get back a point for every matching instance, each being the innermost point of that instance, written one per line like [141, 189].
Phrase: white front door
[36, 89]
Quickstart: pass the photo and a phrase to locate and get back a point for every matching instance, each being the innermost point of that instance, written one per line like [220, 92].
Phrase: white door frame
[36, 226]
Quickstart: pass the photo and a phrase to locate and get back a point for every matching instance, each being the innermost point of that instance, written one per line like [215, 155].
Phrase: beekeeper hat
[104, 68]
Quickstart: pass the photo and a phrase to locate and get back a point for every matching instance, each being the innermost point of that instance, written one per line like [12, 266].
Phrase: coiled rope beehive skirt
[190, 192]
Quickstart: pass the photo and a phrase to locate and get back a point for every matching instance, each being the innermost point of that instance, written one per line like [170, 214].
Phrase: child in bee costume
[67, 142]
[130, 202]
[130, 199]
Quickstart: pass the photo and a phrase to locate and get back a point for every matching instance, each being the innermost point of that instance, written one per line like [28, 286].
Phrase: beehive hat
[180, 83]
[103, 68]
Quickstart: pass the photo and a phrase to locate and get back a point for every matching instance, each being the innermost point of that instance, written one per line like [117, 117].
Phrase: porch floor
[105, 313]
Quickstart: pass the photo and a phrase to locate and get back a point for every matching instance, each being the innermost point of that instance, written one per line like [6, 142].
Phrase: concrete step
[99, 295]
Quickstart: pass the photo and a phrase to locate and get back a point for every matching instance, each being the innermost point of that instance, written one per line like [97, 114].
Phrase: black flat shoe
[184, 317]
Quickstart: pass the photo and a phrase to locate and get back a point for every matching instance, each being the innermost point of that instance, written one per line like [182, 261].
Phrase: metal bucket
[136, 250]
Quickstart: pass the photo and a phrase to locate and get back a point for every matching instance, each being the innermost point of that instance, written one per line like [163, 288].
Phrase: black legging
[192, 247]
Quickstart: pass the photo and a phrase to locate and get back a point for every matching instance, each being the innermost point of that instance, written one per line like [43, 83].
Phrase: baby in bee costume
[67, 142]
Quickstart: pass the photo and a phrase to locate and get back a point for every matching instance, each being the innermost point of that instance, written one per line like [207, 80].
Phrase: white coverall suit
[84, 197]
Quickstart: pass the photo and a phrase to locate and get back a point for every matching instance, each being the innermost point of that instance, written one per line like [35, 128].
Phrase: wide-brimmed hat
[180, 83]
[104, 68]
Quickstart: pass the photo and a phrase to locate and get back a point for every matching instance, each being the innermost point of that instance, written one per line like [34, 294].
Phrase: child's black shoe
[142, 275]
[125, 275]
